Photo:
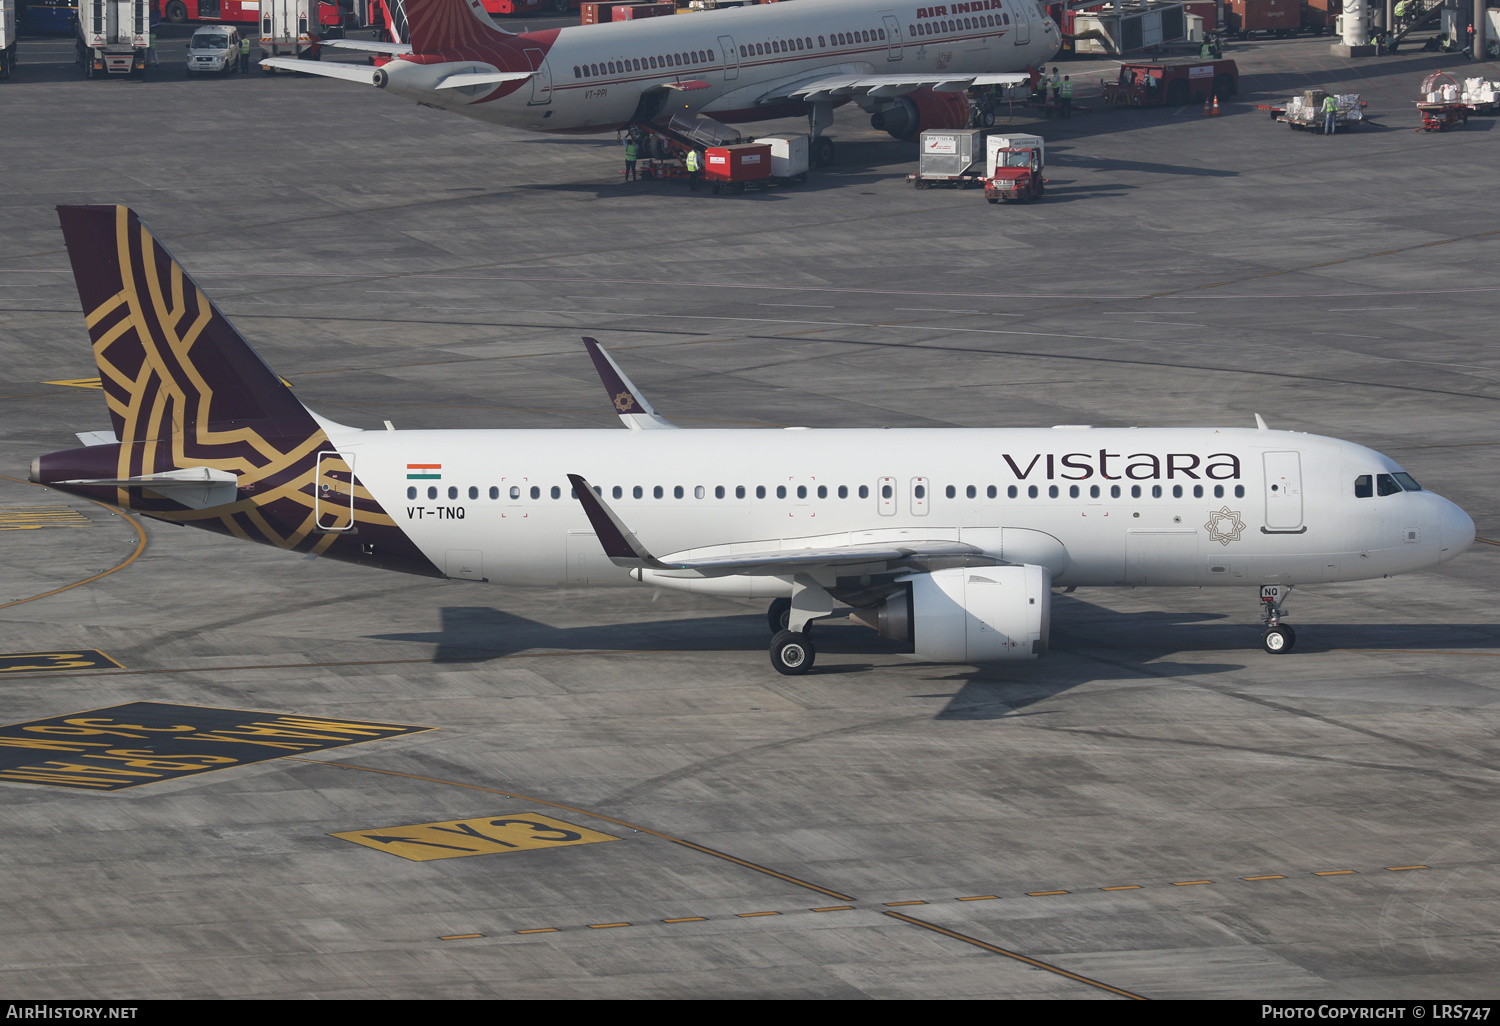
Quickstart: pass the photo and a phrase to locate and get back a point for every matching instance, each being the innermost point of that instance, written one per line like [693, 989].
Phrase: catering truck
[113, 37]
[7, 37]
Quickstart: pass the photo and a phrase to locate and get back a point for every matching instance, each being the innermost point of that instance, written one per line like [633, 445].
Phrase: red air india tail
[438, 25]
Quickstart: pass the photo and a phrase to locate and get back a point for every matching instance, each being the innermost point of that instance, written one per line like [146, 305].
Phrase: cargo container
[788, 157]
[597, 11]
[950, 155]
[737, 164]
[1272, 17]
[113, 36]
[7, 37]
[1208, 10]
[1319, 16]
[1130, 28]
[634, 12]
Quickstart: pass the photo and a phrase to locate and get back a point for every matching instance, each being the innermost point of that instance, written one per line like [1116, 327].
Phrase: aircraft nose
[1456, 533]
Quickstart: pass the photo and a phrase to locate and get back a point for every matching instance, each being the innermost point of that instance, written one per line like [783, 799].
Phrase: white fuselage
[592, 77]
[1100, 507]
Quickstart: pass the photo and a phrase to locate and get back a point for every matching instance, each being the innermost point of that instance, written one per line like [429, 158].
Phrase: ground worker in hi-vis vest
[695, 168]
[630, 174]
[244, 53]
[1330, 112]
[1065, 97]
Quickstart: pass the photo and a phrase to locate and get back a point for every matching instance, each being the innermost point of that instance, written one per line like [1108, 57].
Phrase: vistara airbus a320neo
[947, 540]
[907, 65]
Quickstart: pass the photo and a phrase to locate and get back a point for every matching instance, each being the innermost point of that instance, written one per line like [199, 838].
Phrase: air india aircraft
[907, 65]
[948, 541]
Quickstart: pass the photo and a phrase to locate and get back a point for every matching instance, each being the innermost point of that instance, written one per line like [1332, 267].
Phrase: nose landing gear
[1279, 637]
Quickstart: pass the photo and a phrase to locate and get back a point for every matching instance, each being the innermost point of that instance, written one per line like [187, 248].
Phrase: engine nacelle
[969, 615]
[914, 113]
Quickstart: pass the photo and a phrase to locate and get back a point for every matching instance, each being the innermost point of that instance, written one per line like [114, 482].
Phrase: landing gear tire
[1278, 640]
[792, 654]
[822, 151]
[779, 615]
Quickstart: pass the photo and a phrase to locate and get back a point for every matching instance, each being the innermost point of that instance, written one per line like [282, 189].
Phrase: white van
[214, 48]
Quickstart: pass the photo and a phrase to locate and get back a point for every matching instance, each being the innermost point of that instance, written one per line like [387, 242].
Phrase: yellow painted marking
[461, 936]
[80, 659]
[486, 835]
[77, 383]
[1440, 242]
[543, 929]
[1402, 869]
[1388, 252]
[1272, 274]
[29, 518]
[1487, 541]
[1042, 894]
[1272, 877]
[605, 926]
[894, 904]
[1214, 285]
[1334, 872]
[140, 547]
[1190, 883]
[688, 919]
[834, 908]
[1329, 263]
[1122, 887]
[753, 915]
[981, 897]
[1033, 962]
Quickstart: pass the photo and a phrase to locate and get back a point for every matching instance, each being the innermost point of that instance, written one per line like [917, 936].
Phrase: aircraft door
[333, 498]
[885, 496]
[731, 58]
[1283, 491]
[1021, 15]
[541, 82]
[892, 38]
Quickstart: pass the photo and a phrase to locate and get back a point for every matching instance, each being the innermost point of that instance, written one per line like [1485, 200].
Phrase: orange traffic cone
[1216, 105]
[1206, 111]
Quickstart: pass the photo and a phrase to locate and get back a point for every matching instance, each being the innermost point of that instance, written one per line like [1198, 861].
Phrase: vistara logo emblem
[624, 402]
[1225, 526]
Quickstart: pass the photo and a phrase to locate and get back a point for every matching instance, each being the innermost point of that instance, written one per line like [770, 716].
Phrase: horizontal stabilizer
[367, 45]
[348, 72]
[471, 78]
[96, 437]
[688, 86]
[193, 487]
[628, 401]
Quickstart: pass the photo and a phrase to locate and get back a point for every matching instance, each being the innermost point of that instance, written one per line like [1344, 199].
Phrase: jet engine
[910, 115]
[969, 614]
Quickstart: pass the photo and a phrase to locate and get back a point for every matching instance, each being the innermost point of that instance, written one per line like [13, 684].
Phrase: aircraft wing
[374, 47]
[632, 407]
[624, 549]
[835, 86]
[347, 72]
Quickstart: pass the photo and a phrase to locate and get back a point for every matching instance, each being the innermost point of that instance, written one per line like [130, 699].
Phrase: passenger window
[557, 492]
[781, 491]
[656, 492]
[1156, 491]
[617, 492]
[1239, 491]
[1364, 487]
[760, 491]
[1012, 491]
[677, 492]
[1218, 491]
[864, 491]
[699, 491]
[822, 491]
[494, 492]
[1385, 484]
[971, 491]
[991, 492]
[920, 491]
[1135, 491]
[1073, 491]
[718, 491]
[1031, 492]
[1093, 491]
[885, 491]
[951, 492]
[1197, 491]
[452, 492]
[1408, 482]
[637, 491]
[739, 491]
[1052, 492]
[802, 491]
[515, 491]
[843, 491]
[1177, 491]
[821, 42]
[411, 493]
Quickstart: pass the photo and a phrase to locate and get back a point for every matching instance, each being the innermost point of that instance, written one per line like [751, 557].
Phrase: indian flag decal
[424, 471]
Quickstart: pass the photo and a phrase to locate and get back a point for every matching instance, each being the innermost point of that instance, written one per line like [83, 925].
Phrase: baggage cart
[1306, 111]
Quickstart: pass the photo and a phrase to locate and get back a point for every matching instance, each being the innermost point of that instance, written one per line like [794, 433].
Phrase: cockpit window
[1364, 487]
[1408, 482]
[1385, 484]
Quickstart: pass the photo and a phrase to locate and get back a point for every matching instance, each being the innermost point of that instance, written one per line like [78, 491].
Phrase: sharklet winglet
[629, 403]
[621, 546]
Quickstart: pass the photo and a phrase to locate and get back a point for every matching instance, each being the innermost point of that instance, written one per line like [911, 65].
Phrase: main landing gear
[790, 620]
[1279, 637]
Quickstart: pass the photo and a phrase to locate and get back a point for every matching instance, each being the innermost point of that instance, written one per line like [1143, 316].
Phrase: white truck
[113, 37]
[288, 28]
[7, 37]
